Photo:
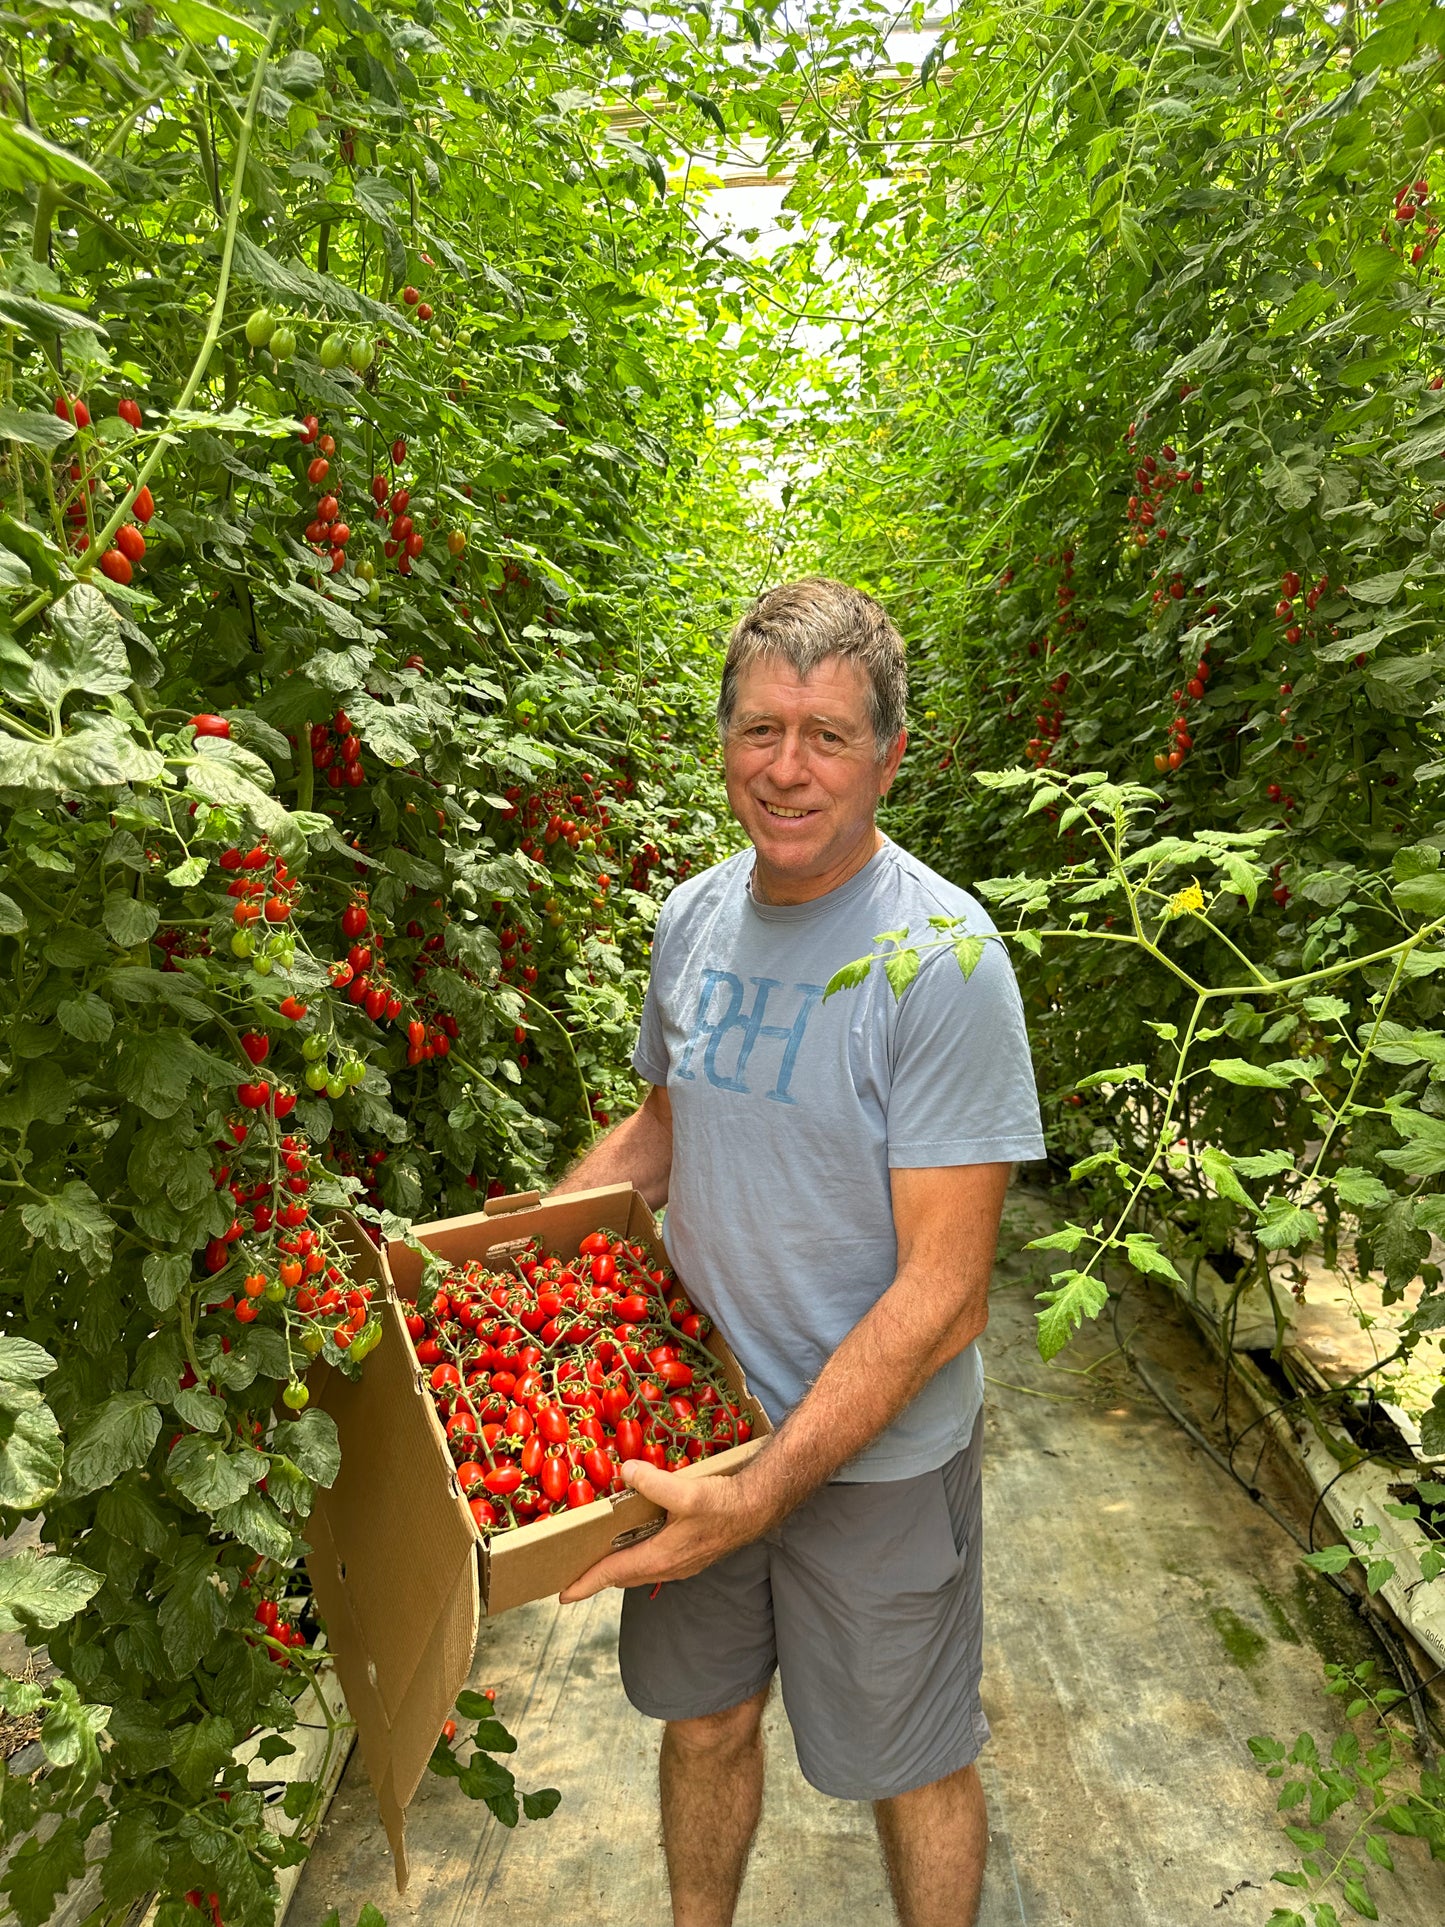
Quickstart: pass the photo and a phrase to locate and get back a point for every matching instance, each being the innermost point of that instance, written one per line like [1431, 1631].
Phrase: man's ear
[889, 768]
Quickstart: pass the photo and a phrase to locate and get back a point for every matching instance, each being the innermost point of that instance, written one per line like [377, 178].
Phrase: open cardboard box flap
[400, 1572]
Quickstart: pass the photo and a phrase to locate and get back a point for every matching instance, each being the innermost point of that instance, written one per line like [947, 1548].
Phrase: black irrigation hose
[1360, 1603]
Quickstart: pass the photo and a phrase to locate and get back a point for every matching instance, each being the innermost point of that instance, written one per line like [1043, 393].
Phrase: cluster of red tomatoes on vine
[549, 1374]
[117, 564]
[336, 750]
[1409, 209]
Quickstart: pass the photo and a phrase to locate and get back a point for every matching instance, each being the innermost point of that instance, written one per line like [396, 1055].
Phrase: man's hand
[706, 1519]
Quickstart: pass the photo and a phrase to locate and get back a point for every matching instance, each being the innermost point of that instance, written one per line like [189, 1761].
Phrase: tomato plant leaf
[1120, 1074]
[34, 429]
[1068, 1238]
[85, 650]
[210, 1475]
[71, 1219]
[1075, 1296]
[1144, 1254]
[968, 953]
[1238, 1070]
[129, 920]
[312, 1442]
[118, 1435]
[43, 1589]
[1425, 895]
[41, 1871]
[255, 1521]
[538, 1806]
[1285, 1226]
[901, 967]
[200, 1749]
[1358, 1189]
[87, 1018]
[851, 975]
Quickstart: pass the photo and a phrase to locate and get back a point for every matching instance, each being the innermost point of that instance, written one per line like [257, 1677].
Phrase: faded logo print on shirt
[720, 1013]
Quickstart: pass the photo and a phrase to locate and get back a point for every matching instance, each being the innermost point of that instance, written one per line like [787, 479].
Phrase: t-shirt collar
[854, 886]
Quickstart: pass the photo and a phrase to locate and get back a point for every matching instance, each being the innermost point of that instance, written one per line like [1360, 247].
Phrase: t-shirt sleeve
[649, 1056]
[962, 1089]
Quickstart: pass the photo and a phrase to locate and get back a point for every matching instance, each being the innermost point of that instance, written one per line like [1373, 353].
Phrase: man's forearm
[637, 1151]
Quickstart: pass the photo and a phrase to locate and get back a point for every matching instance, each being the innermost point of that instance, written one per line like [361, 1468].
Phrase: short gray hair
[808, 622]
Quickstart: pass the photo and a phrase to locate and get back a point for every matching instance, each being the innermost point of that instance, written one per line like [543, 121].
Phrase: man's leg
[711, 1778]
[935, 1842]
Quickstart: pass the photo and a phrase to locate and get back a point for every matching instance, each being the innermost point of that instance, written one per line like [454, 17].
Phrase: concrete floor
[1145, 1619]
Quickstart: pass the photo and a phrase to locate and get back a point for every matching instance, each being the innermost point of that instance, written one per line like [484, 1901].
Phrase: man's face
[803, 778]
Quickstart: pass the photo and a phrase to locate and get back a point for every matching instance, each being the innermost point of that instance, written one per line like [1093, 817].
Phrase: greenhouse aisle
[1144, 1621]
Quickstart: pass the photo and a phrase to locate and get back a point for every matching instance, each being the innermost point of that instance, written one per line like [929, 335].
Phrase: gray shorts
[868, 1600]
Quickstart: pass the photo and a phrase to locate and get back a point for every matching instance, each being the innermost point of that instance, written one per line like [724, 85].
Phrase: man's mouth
[785, 815]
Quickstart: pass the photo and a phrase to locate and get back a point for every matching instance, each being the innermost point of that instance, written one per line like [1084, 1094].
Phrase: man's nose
[790, 759]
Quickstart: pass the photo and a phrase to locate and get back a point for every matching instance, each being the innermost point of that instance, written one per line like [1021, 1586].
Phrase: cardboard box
[400, 1572]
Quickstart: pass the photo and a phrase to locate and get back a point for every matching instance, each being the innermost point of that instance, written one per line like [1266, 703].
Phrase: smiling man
[834, 1175]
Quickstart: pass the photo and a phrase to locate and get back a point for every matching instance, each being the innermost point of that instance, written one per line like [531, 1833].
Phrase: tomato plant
[316, 604]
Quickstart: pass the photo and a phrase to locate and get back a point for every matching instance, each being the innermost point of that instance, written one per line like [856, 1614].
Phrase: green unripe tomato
[317, 1077]
[313, 1047]
[260, 327]
[366, 570]
[361, 354]
[311, 1342]
[242, 943]
[367, 1339]
[283, 343]
[336, 1087]
[263, 966]
[569, 947]
[353, 1070]
[275, 1293]
[589, 845]
[332, 351]
[296, 1397]
[373, 590]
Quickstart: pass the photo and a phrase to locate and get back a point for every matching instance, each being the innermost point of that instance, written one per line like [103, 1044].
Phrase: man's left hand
[706, 1519]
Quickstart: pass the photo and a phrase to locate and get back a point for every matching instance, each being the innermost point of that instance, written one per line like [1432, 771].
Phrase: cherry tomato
[579, 1493]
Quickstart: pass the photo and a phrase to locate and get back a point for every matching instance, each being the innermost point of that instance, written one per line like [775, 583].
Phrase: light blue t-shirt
[788, 1114]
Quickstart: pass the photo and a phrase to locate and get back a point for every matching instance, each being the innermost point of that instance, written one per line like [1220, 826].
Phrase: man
[834, 1175]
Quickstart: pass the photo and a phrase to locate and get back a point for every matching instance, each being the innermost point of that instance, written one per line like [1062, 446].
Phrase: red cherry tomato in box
[554, 1477]
[483, 1512]
[594, 1243]
[579, 1493]
[553, 1427]
[590, 1428]
[683, 1408]
[520, 1423]
[661, 1355]
[631, 1310]
[598, 1468]
[674, 1373]
[532, 1457]
[604, 1268]
[629, 1439]
[502, 1479]
[615, 1401]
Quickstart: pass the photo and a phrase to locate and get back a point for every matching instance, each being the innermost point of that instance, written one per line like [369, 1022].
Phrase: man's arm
[947, 1221]
[637, 1151]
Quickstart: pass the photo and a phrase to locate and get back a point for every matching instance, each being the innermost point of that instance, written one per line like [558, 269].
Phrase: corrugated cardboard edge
[393, 1564]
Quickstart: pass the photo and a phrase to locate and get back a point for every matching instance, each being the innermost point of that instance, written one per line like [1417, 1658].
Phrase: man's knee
[732, 1731]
